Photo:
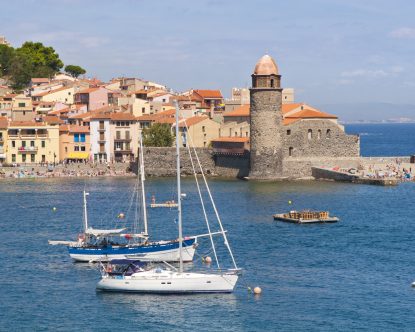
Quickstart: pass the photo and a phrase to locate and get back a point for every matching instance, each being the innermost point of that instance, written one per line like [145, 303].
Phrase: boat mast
[85, 212]
[141, 158]
[179, 198]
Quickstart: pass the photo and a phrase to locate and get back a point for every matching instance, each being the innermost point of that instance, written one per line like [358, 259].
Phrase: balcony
[119, 139]
[233, 151]
[123, 151]
[101, 129]
[27, 149]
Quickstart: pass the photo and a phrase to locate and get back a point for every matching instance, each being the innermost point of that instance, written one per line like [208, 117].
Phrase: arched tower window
[310, 134]
[290, 151]
[319, 134]
[328, 133]
[272, 82]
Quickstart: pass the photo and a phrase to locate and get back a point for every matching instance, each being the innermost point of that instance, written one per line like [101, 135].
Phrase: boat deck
[286, 218]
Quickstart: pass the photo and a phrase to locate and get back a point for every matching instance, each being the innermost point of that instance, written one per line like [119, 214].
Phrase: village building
[22, 109]
[74, 143]
[198, 131]
[114, 137]
[30, 142]
[94, 98]
[3, 139]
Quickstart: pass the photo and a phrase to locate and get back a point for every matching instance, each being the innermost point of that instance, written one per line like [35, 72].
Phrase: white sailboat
[166, 278]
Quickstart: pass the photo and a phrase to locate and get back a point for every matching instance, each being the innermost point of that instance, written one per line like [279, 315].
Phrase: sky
[329, 51]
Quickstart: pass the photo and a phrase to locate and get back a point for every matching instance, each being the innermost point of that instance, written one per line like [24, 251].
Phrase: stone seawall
[162, 162]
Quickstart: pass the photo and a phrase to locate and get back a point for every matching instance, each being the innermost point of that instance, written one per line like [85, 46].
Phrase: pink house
[94, 98]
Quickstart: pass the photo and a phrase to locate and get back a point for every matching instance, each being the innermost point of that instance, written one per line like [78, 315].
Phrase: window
[328, 133]
[118, 123]
[118, 146]
[203, 129]
[43, 158]
[43, 144]
[23, 158]
[69, 93]
[319, 134]
[143, 109]
[127, 135]
[23, 144]
[118, 134]
[310, 134]
[290, 151]
[13, 144]
[76, 138]
[13, 158]
[76, 148]
[272, 82]
[24, 112]
[22, 104]
[66, 149]
[32, 143]
[164, 100]
[289, 132]
[83, 148]
[32, 158]
[82, 138]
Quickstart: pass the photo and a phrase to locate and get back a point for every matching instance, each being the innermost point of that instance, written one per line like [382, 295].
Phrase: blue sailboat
[95, 245]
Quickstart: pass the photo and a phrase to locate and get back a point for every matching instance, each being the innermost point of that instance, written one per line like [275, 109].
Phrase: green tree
[74, 71]
[159, 135]
[6, 57]
[21, 69]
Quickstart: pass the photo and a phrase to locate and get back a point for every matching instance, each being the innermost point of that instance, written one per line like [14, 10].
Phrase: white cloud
[365, 73]
[403, 33]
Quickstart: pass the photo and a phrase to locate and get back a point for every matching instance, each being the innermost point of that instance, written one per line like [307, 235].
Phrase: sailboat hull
[170, 283]
[166, 251]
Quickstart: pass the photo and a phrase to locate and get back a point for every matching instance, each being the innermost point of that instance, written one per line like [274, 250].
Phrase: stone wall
[294, 168]
[162, 162]
[265, 141]
[327, 140]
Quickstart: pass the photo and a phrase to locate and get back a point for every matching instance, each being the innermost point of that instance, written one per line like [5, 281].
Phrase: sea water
[352, 275]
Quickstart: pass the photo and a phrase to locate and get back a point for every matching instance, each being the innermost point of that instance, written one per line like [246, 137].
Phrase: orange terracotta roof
[209, 94]
[311, 113]
[59, 112]
[192, 121]
[88, 90]
[141, 91]
[288, 121]
[123, 116]
[52, 119]
[240, 111]
[3, 122]
[74, 129]
[26, 124]
[232, 139]
[81, 115]
[290, 107]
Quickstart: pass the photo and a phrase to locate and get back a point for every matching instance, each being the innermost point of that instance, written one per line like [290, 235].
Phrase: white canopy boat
[166, 278]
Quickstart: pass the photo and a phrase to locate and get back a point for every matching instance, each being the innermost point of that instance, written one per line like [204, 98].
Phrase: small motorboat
[306, 217]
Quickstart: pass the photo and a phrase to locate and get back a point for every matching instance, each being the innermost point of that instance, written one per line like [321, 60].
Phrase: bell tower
[266, 121]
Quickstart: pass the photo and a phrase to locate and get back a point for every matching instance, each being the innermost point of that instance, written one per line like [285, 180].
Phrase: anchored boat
[165, 278]
[306, 217]
[105, 244]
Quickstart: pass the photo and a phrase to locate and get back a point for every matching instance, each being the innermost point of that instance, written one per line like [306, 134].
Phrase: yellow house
[3, 139]
[74, 143]
[30, 142]
[198, 131]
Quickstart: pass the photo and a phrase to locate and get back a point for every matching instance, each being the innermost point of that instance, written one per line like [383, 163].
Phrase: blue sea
[383, 140]
[353, 275]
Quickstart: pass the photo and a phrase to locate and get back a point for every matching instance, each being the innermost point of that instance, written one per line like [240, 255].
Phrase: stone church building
[285, 139]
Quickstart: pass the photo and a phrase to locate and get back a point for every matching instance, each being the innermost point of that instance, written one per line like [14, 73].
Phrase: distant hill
[371, 112]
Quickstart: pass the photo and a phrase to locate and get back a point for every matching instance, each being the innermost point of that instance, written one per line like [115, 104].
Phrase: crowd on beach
[84, 169]
[394, 169]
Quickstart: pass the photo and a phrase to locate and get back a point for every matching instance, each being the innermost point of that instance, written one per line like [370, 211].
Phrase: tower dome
[266, 66]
